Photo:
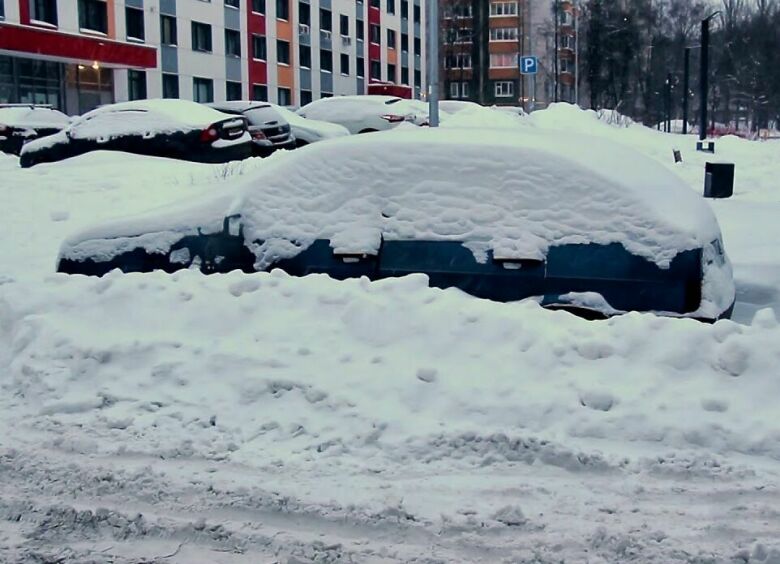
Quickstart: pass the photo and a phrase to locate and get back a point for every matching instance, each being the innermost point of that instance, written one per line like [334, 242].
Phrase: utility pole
[668, 125]
[686, 89]
[433, 63]
[577, 52]
[556, 7]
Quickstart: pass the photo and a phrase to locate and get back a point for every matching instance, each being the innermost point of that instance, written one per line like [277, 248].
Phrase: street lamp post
[704, 82]
[686, 89]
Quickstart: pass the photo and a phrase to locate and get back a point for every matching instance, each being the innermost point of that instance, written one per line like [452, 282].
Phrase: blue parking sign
[529, 64]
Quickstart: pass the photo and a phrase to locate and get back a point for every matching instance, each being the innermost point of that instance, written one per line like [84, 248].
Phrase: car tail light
[3, 128]
[209, 135]
[257, 134]
[393, 118]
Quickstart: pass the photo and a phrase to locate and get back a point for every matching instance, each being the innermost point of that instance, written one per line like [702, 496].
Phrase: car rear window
[261, 116]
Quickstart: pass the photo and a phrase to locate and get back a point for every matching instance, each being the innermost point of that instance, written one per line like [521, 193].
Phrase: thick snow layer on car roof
[515, 194]
[33, 117]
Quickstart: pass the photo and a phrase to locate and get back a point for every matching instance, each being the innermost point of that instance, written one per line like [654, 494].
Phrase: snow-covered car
[576, 223]
[366, 113]
[177, 129]
[270, 131]
[308, 131]
[22, 123]
[455, 106]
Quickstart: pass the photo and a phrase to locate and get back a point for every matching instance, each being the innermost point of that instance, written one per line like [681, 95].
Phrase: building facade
[78, 54]
[481, 41]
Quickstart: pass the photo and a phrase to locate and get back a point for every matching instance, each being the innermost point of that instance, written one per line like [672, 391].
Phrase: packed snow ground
[262, 418]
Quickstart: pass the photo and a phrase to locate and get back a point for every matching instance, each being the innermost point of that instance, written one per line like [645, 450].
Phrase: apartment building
[78, 54]
[481, 41]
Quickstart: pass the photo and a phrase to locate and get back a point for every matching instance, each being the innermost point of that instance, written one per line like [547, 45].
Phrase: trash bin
[719, 180]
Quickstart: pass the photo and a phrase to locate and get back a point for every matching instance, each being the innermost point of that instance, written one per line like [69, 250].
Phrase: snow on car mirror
[356, 243]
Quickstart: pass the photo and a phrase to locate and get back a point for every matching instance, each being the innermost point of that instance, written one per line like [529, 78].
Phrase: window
[283, 9]
[344, 25]
[304, 56]
[360, 27]
[404, 42]
[566, 18]
[304, 13]
[404, 75]
[167, 30]
[282, 52]
[201, 37]
[416, 13]
[567, 42]
[417, 46]
[203, 90]
[459, 61]
[374, 34]
[391, 6]
[391, 72]
[454, 90]
[170, 86]
[326, 20]
[260, 92]
[503, 8]
[258, 47]
[93, 15]
[376, 70]
[136, 85]
[464, 89]
[326, 95]
[417, 78]
[285, 97]
[503, 60]
[504, 89]
[2, 10]
[460, 35]
[305, 97]
[232, 90]
[258, 6]
[503, 34]
[566, 65]
[232, 43]
[344, 64]
[405, 9]
[360, 66]
[458, 11]
[233, 3]
[375, 4]
[326, 60]
[42, 11]
[134, 19]
[391, 39]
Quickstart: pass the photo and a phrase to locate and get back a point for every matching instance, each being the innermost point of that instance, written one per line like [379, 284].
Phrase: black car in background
[177, 129]
[22, 123]
[269, 130]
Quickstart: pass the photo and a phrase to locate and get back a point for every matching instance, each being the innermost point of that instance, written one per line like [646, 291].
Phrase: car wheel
[368, 131]
[300, 143]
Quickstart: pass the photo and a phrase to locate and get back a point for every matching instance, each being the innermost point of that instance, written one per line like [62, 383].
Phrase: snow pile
[323, 129]
[483, 118]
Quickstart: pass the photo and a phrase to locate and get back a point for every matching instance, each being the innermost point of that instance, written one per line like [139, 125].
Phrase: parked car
[455, 106]
[496, 214]
[269, 130]
[366, 114]
[308, 131]
[21, 123]
[176, 129]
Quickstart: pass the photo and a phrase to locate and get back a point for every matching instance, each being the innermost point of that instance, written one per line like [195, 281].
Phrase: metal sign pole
[433, 63]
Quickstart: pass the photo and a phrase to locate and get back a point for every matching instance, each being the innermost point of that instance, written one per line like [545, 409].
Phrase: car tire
[300, 143]
[369, 130]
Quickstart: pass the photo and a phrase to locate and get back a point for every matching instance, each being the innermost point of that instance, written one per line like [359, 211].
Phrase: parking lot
[262, 417]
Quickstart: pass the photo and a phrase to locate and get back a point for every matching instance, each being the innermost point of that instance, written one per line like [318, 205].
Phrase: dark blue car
[511, 217]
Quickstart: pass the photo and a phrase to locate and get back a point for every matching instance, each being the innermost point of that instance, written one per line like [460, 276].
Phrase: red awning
[76, 48]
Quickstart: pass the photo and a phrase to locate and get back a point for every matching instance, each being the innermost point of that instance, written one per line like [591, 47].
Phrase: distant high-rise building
[482, 40]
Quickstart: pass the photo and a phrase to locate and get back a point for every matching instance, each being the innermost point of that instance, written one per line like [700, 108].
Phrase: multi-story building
[77, 54]
[481, 41]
